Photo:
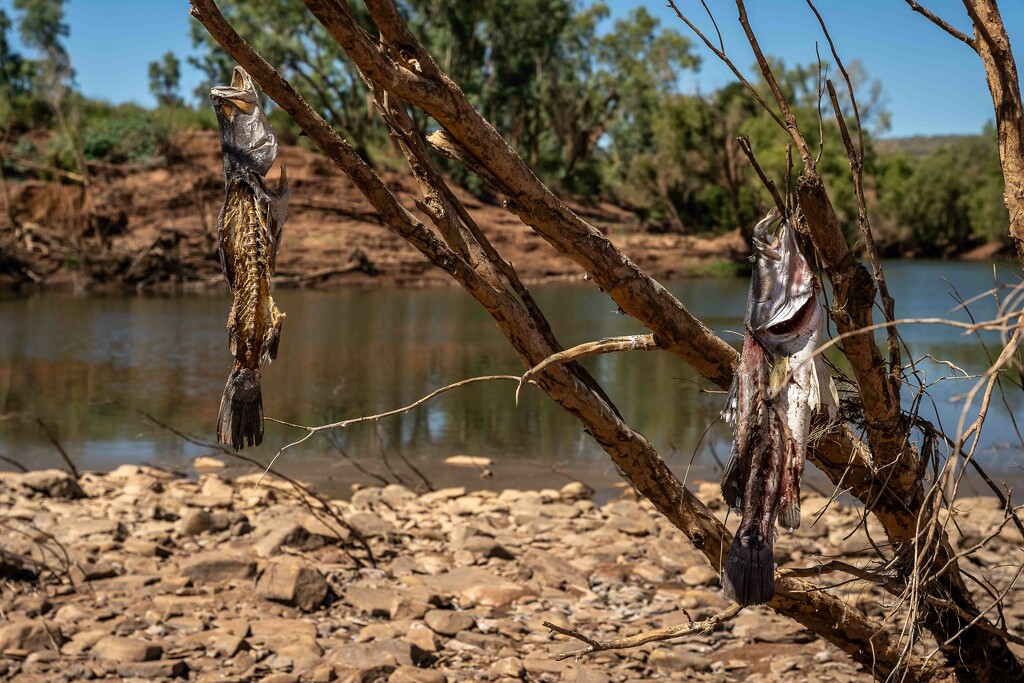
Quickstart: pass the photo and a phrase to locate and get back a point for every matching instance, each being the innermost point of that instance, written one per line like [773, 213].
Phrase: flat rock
[267, 629]
[205, 462]
[375, 602]
[28, 636]
[411, 674]
[219, 566]
[166, 668]
[117, 650]
[476, 586]
[377, 654]
[629, 518]
[508, 667]
[53, 483]
[700, 575]
[293, 583]
[448, 622]
[370, 525]
[468, 461]
[769, 629]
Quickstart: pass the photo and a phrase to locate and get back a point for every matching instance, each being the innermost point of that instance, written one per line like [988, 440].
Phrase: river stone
[290, 534]
[53, 483]
[218, 566]
[476, 586]
[378, 654]
[576, 490]
[422, 637]
[265, 630]
[375, 602]
[293, 583]
[769, 629]
[411, 674]
[700, 575]
[448, 622]
[115, 649]
[195, 522]
[508, 667]
[629, 518]
[205, 462]
[370, 525]
[167, 668]
[28, 636]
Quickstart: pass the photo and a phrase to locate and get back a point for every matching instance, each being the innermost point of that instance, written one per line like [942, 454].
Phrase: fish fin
[730, 412]
[278, 210]
[823, 394]
[749, 573]
[273, 341]
[732, 480]
[789, 513]
[240, 420]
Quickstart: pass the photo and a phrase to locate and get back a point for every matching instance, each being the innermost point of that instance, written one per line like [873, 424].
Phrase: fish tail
[749, 575]
[240, 421]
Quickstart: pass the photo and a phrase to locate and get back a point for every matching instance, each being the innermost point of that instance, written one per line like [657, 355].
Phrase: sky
[933, 84]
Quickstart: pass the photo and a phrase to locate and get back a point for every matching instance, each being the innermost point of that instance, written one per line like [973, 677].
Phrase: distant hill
[918, 146]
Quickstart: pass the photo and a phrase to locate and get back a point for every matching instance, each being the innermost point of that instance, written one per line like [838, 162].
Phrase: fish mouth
[787, 302]
[240, 95]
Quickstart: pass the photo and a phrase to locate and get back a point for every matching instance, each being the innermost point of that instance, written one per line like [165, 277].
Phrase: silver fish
[248, 235]
[778, 387]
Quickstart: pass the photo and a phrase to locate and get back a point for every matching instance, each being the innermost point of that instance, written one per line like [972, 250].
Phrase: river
[87, 364]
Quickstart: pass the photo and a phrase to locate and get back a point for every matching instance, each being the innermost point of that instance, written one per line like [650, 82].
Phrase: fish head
[247, 140]
[783, 306]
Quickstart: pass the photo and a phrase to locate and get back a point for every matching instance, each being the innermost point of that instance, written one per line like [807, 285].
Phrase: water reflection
[86, 363]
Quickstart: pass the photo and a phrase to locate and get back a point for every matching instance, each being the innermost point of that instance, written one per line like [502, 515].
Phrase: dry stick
[744, 143]
[13, 463]
[326, 505]
[668, 633]
[60, 449]
[631, 342]
[944, 25]
[374, 418]
[856, 158]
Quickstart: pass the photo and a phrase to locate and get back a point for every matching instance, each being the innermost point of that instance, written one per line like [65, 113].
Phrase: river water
[87, 364]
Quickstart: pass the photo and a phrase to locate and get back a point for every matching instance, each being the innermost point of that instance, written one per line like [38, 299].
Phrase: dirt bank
[144, 574]
[155, 226]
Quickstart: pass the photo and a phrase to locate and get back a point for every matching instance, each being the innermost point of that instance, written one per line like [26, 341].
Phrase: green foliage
[947, 201]
[165, 80]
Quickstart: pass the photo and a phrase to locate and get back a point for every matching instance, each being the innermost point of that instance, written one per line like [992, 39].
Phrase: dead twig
[630, 342]
[657, 635]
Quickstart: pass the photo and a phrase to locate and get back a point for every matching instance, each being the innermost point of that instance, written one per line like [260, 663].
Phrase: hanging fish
[248, 235]
[778, 387]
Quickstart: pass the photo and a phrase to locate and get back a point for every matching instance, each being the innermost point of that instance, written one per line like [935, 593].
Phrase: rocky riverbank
[143, 574]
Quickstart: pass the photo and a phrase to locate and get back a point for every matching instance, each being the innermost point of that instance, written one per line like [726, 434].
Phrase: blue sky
[933, 84]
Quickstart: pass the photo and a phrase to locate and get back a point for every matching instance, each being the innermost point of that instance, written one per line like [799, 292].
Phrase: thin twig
[944, 25]
[668, 633]
[631, 342]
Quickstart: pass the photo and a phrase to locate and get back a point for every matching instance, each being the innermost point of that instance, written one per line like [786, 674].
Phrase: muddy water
[87, 364]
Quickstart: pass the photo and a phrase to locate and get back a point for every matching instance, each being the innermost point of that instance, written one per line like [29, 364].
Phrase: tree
[991, 43]
[165, 80]
[43, 28]
[874, 456]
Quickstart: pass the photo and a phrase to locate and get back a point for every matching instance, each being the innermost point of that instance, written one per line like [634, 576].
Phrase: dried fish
[779, 386]
[248, 234]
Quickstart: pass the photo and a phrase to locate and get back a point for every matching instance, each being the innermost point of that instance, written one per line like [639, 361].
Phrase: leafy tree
[165, 80]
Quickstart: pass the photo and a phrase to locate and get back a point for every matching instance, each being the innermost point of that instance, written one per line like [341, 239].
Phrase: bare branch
[668, 633]
[944, 25]
[632, 342]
